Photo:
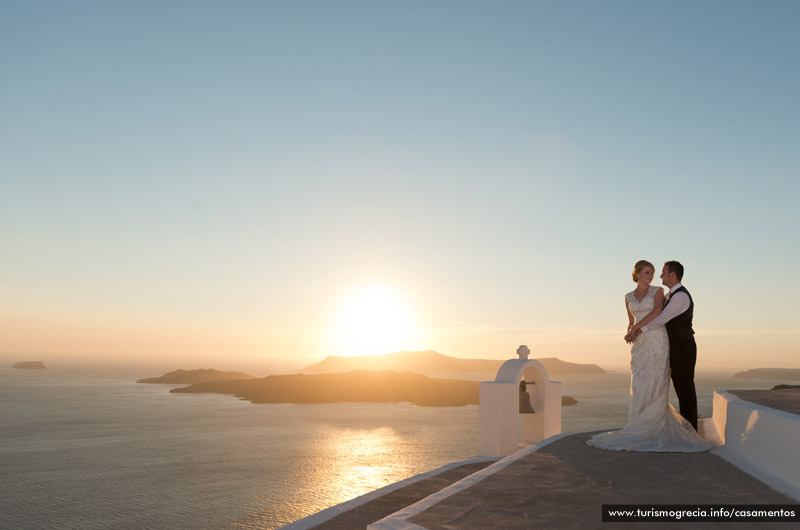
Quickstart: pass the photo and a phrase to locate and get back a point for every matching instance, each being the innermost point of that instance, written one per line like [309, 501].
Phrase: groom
[677, 317]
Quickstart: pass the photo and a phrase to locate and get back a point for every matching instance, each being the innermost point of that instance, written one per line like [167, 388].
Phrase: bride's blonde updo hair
[641, 264]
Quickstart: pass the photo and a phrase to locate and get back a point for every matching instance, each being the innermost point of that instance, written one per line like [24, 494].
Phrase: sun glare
[374, 320]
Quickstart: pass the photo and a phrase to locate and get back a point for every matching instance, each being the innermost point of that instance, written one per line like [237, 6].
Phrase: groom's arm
[677, 305]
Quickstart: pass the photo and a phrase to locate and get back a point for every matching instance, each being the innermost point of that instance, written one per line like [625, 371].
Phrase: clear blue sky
[199, 180]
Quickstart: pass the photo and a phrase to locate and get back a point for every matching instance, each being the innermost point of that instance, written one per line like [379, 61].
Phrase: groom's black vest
[680, 327]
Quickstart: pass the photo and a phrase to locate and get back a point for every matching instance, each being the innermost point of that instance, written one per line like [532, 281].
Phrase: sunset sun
[373, 320]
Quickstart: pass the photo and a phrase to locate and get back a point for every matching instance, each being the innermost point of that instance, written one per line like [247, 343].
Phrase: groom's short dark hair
[676, 267]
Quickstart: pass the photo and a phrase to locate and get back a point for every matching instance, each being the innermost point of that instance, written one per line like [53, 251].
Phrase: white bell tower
[501, 403]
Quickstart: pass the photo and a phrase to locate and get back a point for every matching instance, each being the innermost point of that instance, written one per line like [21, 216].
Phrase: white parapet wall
[499, 408]
[761, 440]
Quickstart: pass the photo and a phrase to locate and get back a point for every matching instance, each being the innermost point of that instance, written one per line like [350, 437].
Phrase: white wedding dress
[653, 423]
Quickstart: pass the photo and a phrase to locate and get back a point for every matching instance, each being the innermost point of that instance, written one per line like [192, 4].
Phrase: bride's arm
[659, 306]
[631, 319]
[628, 337]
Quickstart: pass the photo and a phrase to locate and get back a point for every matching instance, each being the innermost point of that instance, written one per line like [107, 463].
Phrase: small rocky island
[358, 386]
[30, 365]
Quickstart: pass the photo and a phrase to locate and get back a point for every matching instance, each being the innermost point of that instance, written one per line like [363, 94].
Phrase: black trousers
[682, 358]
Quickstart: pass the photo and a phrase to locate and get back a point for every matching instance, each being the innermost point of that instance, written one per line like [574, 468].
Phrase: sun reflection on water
[361, 460]
[349, 450]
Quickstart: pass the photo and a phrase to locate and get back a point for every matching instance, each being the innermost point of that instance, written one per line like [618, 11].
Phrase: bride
[653, 423]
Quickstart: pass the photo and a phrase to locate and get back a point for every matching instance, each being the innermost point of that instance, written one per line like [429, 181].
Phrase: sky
[260, 184]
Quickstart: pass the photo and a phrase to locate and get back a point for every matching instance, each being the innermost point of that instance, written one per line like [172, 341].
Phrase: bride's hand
[634, 332]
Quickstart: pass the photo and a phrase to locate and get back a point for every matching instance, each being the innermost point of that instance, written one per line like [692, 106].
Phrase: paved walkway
[563, 486]
[787, 400]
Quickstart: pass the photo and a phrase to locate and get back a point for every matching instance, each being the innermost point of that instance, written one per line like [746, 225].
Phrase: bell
[525, 403]
[525, 406]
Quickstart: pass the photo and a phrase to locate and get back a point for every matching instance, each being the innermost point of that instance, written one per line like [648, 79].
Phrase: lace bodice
[643, 308]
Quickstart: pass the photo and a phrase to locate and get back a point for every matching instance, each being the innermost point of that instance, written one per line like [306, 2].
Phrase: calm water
[99, 452]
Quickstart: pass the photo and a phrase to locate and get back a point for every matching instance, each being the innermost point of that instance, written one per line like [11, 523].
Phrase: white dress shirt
[678, 303]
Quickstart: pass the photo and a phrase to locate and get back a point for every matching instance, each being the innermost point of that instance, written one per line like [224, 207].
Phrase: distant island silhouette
[789, 374]
[30, 365]
[433, 362]
[357, 386]
[190, 377]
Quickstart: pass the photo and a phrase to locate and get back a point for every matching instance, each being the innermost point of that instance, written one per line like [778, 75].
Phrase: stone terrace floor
[563, 486]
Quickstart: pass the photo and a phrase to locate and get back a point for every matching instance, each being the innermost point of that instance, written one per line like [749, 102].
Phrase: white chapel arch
[500, 407]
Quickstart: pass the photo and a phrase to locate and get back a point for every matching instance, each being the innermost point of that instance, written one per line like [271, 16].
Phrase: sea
[90, 450]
